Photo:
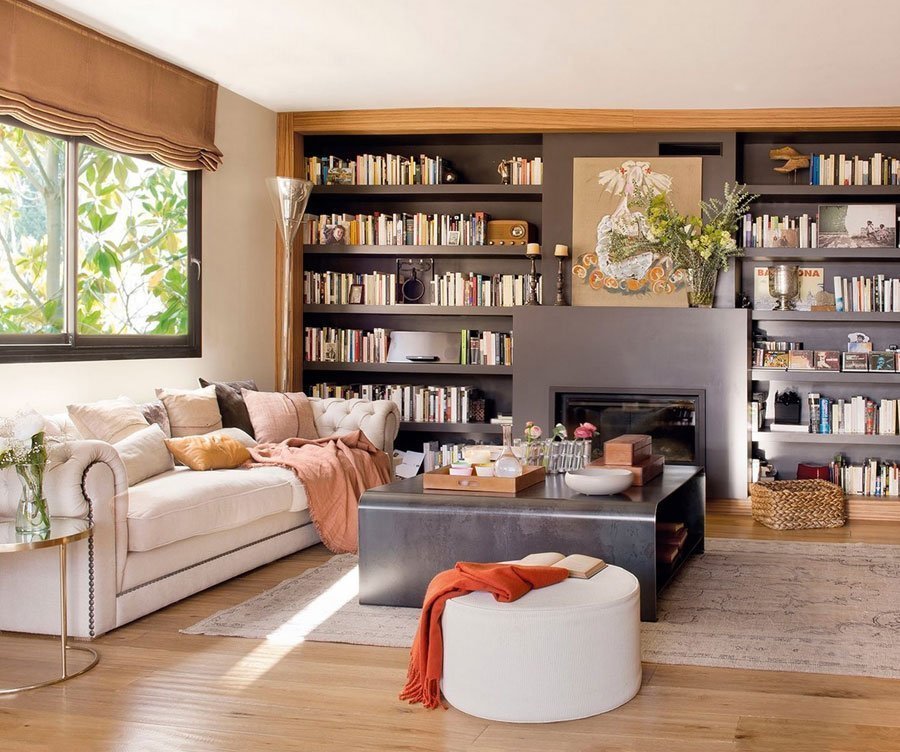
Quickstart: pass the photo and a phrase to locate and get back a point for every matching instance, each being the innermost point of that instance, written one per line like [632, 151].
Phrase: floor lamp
[289, 197]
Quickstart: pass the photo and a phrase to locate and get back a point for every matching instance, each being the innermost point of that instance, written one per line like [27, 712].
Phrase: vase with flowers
[22, 448]
[700, 246]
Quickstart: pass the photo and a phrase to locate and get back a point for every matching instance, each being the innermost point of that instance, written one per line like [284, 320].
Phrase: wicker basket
[795, 504]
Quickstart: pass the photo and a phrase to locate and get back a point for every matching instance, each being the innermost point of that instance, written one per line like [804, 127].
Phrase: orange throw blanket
[334, 471]
[507, 582]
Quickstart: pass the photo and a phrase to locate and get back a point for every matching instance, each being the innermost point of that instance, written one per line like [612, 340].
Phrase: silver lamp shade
[289, 197]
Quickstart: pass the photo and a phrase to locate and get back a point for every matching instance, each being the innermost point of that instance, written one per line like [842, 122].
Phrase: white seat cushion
[183, 503]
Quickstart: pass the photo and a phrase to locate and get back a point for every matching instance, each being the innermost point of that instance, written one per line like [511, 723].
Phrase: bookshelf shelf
[447, 190]
[792, 437]
[409, 310]
[824, 377]
[473, 428]
[413, 251]
[418, 368]
[826, 316]
[804, 192]
[821, 254]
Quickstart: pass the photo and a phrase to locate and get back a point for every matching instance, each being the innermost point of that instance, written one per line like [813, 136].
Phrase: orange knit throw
[507, 582]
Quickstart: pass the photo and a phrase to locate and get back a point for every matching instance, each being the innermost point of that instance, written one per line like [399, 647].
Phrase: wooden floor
[156, 689]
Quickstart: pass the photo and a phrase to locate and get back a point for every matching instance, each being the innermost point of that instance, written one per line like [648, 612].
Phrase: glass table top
[62, 530]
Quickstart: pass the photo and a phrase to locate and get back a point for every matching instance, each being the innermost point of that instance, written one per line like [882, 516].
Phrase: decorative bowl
[460, 468]
[485, 470]
[599, 481]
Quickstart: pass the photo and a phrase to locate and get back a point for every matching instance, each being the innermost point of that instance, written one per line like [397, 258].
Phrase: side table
[63, 531]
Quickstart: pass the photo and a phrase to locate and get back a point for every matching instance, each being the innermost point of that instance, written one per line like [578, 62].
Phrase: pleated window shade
[70, 80]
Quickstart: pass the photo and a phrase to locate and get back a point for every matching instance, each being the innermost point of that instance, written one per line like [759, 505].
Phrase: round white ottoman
[570, 650]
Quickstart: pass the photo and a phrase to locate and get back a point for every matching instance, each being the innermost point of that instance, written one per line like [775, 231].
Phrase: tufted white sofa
[167, 537]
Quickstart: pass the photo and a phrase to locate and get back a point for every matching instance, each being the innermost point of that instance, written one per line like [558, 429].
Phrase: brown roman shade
[67, 79]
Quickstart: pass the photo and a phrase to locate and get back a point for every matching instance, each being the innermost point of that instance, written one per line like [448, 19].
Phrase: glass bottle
[507, 465]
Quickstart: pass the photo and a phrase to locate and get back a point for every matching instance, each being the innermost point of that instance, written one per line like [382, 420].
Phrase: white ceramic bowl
[484, 471]
[599, 481]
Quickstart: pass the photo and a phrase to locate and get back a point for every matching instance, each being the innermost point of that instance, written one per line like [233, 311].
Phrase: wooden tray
[441, 480]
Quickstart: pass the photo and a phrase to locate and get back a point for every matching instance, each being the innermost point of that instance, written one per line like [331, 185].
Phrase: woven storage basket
[795, 504]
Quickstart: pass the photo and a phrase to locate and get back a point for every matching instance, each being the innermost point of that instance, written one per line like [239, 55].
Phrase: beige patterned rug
[826, 608]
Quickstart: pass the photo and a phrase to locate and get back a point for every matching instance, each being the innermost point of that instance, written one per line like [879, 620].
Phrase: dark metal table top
[553, 494]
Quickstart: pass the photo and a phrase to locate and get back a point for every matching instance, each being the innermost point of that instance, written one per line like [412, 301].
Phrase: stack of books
[873, 477]
[486, 348]
[769, 231]
[469, 289]
[524, 171]
[370, 169]
[333, 288]
[857, 415]
[331, 345]
[867, 294]
[421, 404]
[671, 538]
[439, 455]
[839, 169]
[394, 229]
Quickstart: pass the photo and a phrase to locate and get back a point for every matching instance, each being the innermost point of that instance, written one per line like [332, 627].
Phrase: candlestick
[533, 249]
[532, 298]
[560, 294]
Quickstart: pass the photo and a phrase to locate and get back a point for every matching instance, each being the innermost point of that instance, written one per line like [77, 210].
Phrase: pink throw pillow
[277, 416]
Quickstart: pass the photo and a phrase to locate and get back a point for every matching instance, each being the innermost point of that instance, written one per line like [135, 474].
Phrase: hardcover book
[801, 360]
[851, 361]
[580, 566]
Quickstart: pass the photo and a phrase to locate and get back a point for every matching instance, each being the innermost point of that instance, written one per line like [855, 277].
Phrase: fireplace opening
[674, 418]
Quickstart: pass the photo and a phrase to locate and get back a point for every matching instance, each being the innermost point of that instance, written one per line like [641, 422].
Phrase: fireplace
[674, 418]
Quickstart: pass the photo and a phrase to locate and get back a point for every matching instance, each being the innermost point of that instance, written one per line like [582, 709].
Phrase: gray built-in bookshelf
[727, 156]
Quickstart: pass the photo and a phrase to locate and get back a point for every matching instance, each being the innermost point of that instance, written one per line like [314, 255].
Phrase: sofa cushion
[108, 420]
[191, 411]
[277, 416]
[155, 412]
[182, 503]
[231, 403]
[210, 452]
[144, 454]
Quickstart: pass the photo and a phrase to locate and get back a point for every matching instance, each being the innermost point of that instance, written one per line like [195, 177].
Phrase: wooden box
[642, 471]
[627, 449]
[441, 480]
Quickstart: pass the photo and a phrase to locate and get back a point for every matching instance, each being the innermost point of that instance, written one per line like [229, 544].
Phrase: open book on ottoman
[579, 565]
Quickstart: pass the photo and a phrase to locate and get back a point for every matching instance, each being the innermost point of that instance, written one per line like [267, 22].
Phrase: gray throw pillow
[155, 412]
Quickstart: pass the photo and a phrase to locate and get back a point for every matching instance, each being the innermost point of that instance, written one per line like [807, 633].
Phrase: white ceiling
[349, 54]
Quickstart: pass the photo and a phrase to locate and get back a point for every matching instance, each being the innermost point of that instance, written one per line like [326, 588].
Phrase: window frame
[71, 346]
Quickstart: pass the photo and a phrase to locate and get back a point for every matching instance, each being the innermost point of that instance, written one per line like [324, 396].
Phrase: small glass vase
[32, 514]
[507, 465]
[701, 286]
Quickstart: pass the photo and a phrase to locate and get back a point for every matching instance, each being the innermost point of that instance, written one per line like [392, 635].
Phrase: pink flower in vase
[532, 431]
[585, 431]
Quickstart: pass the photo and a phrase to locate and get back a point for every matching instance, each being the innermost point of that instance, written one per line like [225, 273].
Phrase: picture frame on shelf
[857, 226]
[335, 234]
[356, 294]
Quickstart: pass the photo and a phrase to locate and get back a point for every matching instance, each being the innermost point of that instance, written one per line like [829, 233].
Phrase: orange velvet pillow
[208, 452]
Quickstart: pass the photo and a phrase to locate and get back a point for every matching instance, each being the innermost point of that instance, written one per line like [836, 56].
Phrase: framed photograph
[454, 237]
[857, 226]
[356, 294]
[852, 361]
[882, 361]
[333, 235]
[785, 238]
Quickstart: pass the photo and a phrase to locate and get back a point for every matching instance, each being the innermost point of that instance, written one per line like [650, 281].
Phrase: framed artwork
[600, 191]
[356, 294]
[857, 226]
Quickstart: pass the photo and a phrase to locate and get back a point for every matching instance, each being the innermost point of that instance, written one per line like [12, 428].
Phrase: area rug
[824, 608]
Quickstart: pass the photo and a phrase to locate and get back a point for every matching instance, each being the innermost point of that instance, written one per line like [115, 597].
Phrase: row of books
[371, 169]
[886, 361]
[466, 289]
[486, 348]
[873, 477]
[671, 538]
[331, 345]
[422, 404]
[839, 169]
[335, 288]
[867, 294]
[440, 455]
[769, 231]
[524, 171]
[857, 415]
[394, 229]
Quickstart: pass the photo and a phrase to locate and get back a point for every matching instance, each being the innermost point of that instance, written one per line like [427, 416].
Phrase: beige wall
[238, 286]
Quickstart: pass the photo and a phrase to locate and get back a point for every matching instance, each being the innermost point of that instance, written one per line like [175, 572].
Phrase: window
[99, 252]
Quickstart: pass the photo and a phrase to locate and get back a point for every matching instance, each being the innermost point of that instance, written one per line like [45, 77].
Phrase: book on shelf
[375, 169]
[857, 415]
[872, 477]
[502, 420]
[524, 171]
[812, 282]
[397, 228]
[417, 403]
[843, 169]
[486, 348]
[471, 289]
[334, 288]
[440, 455]
[580, 566]
[770, 231]
[874, 294]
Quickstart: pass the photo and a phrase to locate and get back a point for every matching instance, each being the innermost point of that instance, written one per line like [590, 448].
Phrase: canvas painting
[858, 226]
[600, 193]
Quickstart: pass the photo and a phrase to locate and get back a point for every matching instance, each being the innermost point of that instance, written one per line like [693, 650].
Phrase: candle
[533, 249]
[561, 251]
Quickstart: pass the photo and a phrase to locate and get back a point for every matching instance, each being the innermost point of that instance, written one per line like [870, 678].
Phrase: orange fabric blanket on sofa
[507, 582]
[334, 471]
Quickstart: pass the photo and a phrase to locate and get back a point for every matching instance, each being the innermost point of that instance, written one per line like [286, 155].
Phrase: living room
[269, 481]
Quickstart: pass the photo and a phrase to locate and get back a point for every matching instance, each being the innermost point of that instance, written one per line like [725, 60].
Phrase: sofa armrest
[379, 420]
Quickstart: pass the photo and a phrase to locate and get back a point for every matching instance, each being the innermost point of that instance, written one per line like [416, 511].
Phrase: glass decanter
[507, 465]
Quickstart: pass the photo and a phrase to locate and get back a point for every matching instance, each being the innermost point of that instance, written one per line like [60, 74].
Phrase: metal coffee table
[407, 535]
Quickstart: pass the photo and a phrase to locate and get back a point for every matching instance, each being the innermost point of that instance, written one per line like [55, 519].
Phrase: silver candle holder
[784, 286]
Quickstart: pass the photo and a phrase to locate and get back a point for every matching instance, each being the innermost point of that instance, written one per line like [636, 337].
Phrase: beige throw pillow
[108, 420]
[277, 416]
[192, 412]
[144, 454]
